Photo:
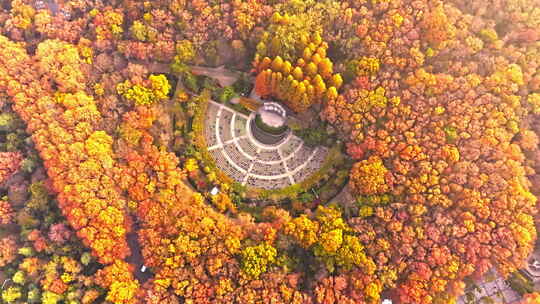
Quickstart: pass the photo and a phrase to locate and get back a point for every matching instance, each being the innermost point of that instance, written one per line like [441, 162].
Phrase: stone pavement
[495, 288]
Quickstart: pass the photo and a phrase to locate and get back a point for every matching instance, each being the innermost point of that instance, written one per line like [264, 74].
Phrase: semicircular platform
[239, 155]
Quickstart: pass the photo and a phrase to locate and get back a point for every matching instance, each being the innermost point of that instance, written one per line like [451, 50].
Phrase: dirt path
[224, 76]
[136, 259]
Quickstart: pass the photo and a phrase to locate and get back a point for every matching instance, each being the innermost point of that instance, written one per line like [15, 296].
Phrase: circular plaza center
[269, 125]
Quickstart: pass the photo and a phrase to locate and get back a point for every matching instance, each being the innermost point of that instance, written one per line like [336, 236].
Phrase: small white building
[214, 191]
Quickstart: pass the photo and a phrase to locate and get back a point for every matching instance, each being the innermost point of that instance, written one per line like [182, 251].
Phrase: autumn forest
[269, 151]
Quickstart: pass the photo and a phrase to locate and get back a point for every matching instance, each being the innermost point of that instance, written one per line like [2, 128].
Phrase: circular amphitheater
[254, 164]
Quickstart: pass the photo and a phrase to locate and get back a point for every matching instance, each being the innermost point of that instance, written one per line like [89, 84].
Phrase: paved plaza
[238, 154]
[496, 288]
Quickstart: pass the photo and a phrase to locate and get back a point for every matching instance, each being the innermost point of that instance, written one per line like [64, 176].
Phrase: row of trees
[78, 157]
[309, 81]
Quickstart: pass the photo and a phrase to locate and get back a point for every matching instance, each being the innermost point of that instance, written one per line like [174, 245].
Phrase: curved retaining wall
[265, 137]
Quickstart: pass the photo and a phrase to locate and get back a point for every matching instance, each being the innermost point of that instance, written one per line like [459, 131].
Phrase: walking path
[243, 158]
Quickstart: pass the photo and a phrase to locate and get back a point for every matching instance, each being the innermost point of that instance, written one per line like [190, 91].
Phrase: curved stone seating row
[320, 155]
[268, 184]
[225, 132]
[269, 155]
[300, 157]
[210, 125]
[267, 169]
[237, 157]
[210, 135]
[312, 165]
[240, 126]
[225, 166]
[290, 146]
[248, 147]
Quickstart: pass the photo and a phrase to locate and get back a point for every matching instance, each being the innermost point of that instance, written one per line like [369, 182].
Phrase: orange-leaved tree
[65, 126]
[301, 83]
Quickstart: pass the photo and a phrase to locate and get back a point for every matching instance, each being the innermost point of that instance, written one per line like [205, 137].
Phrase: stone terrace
[247, 161]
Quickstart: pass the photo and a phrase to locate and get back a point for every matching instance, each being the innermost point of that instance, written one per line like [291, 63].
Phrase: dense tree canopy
[436, 104]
